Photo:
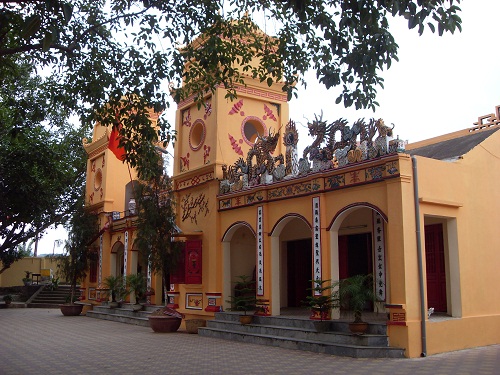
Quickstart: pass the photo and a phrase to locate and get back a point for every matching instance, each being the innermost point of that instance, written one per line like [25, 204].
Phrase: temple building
[420, 217]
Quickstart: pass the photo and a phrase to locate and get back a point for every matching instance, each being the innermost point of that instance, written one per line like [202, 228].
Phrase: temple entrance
[242, 255]
[120, 262]
[117, 259]
[435, 267]
[355, 255]
[299, 271]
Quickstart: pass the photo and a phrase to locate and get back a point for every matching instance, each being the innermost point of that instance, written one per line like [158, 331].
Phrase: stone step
[124, 314]
[374, 328]
[125, 310]
[301, 333]
[55, 292]
[35, 305]
[122, 317]
[307, 345]
[47, 298]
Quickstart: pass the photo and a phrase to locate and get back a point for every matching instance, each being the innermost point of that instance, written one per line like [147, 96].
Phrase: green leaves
[42, 162]
[128, 47]
[31, 26]
[67, 11]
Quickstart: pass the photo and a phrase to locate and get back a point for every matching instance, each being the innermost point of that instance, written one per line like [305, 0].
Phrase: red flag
[114, 143]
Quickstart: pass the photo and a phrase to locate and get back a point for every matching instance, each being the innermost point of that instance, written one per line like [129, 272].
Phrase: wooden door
[355, 255]
[299, 268]
[435, 267]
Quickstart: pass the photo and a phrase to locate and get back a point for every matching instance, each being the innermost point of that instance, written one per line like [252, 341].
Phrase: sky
[440, 85]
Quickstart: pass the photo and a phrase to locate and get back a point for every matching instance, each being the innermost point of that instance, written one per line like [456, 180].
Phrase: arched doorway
[138, 263]
[292, 262]
[117, 259]
[357, 236]
[239, 252]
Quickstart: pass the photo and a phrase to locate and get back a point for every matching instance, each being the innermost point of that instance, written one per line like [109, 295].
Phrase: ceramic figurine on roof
[262, 150]
[290, 140]
[356, 143]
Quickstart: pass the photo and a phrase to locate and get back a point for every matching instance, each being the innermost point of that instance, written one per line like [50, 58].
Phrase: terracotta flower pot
[358, 328]
[71, 310]
[246, 319]
[164, 324]
[192, 325]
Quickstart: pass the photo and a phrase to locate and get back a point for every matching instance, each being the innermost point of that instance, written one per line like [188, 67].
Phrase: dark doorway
[355, 255]
[435, 267]
[299, 269]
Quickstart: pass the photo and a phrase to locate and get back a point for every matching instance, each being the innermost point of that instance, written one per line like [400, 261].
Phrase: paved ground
[42, 341]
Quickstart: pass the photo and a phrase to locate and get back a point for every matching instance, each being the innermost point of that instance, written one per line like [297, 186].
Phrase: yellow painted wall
[225, 139]
[13, 276]
[467, 190]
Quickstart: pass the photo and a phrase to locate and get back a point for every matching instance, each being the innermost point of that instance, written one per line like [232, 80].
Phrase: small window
[251, 128]
[197, 135]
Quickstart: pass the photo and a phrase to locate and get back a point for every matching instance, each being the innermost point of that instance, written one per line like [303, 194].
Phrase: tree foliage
[156, 222]
[112, 61]
[100, 52]
[42, 161]
[82, 226]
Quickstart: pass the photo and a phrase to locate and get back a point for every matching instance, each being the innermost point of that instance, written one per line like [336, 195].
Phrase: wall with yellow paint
[13, 276]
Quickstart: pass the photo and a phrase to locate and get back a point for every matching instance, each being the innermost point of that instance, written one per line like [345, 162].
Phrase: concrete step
[374, 328]
[122, 315]
[47, 298]
[300, 333]
[35, 305]
[139, 321]
[307, 345]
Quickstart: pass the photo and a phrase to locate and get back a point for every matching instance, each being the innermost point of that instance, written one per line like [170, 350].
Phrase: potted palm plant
[7, 299]
[137, 287]
[244, 298]
[116, 289]
[356, 293]
[324, 297]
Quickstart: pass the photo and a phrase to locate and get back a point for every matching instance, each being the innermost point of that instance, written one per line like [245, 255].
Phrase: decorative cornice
[194, 178]
[98, 145]
[247, 90]
[378, 170]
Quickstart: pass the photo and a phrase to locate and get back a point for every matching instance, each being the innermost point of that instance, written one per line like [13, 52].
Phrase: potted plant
[324, 297]
[117, 289]
[27, 279]
[7, 299]
[137, 287]
[192, 325]
[74, 263]
[165, 320]
[243, 298]
[356, 293]
[54, 283]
